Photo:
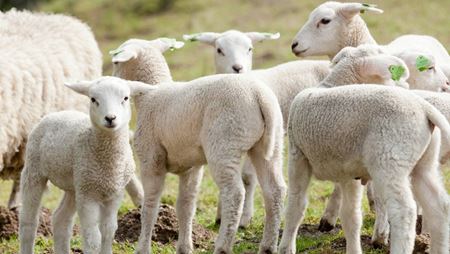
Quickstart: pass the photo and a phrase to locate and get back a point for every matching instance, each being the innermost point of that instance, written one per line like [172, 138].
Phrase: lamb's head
[331, 27]
[367, 64]
[425, 74]
[109, 101]
[142, 60]
[233, 49]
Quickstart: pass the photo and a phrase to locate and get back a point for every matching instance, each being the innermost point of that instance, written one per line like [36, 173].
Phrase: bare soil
[9, 223]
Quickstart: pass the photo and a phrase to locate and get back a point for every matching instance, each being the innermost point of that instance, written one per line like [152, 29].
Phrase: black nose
[110, 118]
[237, 68]
[295, 44]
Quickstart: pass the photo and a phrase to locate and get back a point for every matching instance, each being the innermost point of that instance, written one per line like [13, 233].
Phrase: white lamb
[285, 80]
[215, 120]
[368, 132]
[39, 52]
[89, 157]
[234, 49]
[331, 27]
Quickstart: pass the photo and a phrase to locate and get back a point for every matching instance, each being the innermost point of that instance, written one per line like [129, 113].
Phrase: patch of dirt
[165, 230]
[422, 244]
[9, 223]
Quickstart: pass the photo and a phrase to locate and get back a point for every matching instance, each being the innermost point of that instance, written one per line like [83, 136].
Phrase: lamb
[91, 161]
[285, 80]
[347, 133]
[331, 27]
[215, 120]
[39, 52]
[234, 49]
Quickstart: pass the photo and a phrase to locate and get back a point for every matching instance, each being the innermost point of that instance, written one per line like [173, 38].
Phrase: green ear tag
[396, 71]
[422, 63]
[115, 52]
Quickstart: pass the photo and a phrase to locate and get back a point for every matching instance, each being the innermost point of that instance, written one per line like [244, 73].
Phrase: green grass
[113, 22]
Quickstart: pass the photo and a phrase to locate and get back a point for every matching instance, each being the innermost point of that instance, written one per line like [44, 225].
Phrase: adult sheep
[234, 48]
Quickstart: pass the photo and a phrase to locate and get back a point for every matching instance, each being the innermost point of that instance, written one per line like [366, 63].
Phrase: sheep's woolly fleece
[39, 53]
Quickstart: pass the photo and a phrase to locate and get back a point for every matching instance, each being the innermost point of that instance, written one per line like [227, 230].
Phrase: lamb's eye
[93, 100]
[325, 21]
[126, 98]
[220, 52]
[250, 49]
[431, 68]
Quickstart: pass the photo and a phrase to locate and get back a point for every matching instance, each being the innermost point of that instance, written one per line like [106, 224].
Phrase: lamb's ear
[258, 37]
[121, 55]
[345, 52]
[81, 87]
[386, 67]
[349, 10]
[164, 44]
[206, 37]
[138, 88]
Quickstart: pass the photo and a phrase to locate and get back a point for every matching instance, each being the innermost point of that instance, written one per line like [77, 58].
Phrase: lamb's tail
[438, 119]
[273, 120]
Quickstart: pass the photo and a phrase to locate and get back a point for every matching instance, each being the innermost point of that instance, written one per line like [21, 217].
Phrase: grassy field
[115, 21]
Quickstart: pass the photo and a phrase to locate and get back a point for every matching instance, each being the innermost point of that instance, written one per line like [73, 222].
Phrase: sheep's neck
[356, 34]
[338, 77]
[101, 141]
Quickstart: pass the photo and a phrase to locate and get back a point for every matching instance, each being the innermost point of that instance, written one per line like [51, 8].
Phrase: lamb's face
[233, 50]
[327, 27]
[110, 104]
[425, 74]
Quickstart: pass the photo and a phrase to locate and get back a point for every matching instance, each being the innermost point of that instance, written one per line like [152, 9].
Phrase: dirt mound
[165, 230]
[9, 223]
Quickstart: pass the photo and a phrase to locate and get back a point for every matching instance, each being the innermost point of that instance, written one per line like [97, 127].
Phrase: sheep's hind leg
[329, 217]
[135, 190]
[108, 222]
[62, 222]
[431, 194]
[89, 213]
[14, 201]
[249, 178]
[351, 215]
[299, 179]
[186, 205]
[32, 188]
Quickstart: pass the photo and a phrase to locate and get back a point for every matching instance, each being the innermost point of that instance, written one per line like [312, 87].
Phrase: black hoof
[325, 226]
[218, 222]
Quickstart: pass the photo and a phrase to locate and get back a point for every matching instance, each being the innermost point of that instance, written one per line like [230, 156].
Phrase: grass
[115, 21]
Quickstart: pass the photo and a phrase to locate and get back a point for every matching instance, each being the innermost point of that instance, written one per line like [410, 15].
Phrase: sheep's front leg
[108, 222]
[299, 179]
[329, 217]
[62, 222]
[14, 198]
[351, 215]
[186, 205]
[89, 211]
[134, 189]
[153, 174]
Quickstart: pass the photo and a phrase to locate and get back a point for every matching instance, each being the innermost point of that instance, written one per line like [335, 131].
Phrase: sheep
[39, 52]
[215, 120]
[89, 158]
[285, 80]
[234, 49]
[331, 27]
[345, 133]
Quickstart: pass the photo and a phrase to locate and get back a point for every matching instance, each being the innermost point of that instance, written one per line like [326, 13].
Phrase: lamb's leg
[329, 217]
[14, 197]
[395, 191]
[299, 179]
[32, 187]
[89, 214]
[153, 174]
[380, 235]
[135, 190]
[431, 194]
[249, 178]
[227, 175]
[351, 215]
[62, 222]
[108, 223]
[270, 177]
[186, 205]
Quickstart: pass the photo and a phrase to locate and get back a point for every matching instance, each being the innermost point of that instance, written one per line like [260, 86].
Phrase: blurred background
[113, 22]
